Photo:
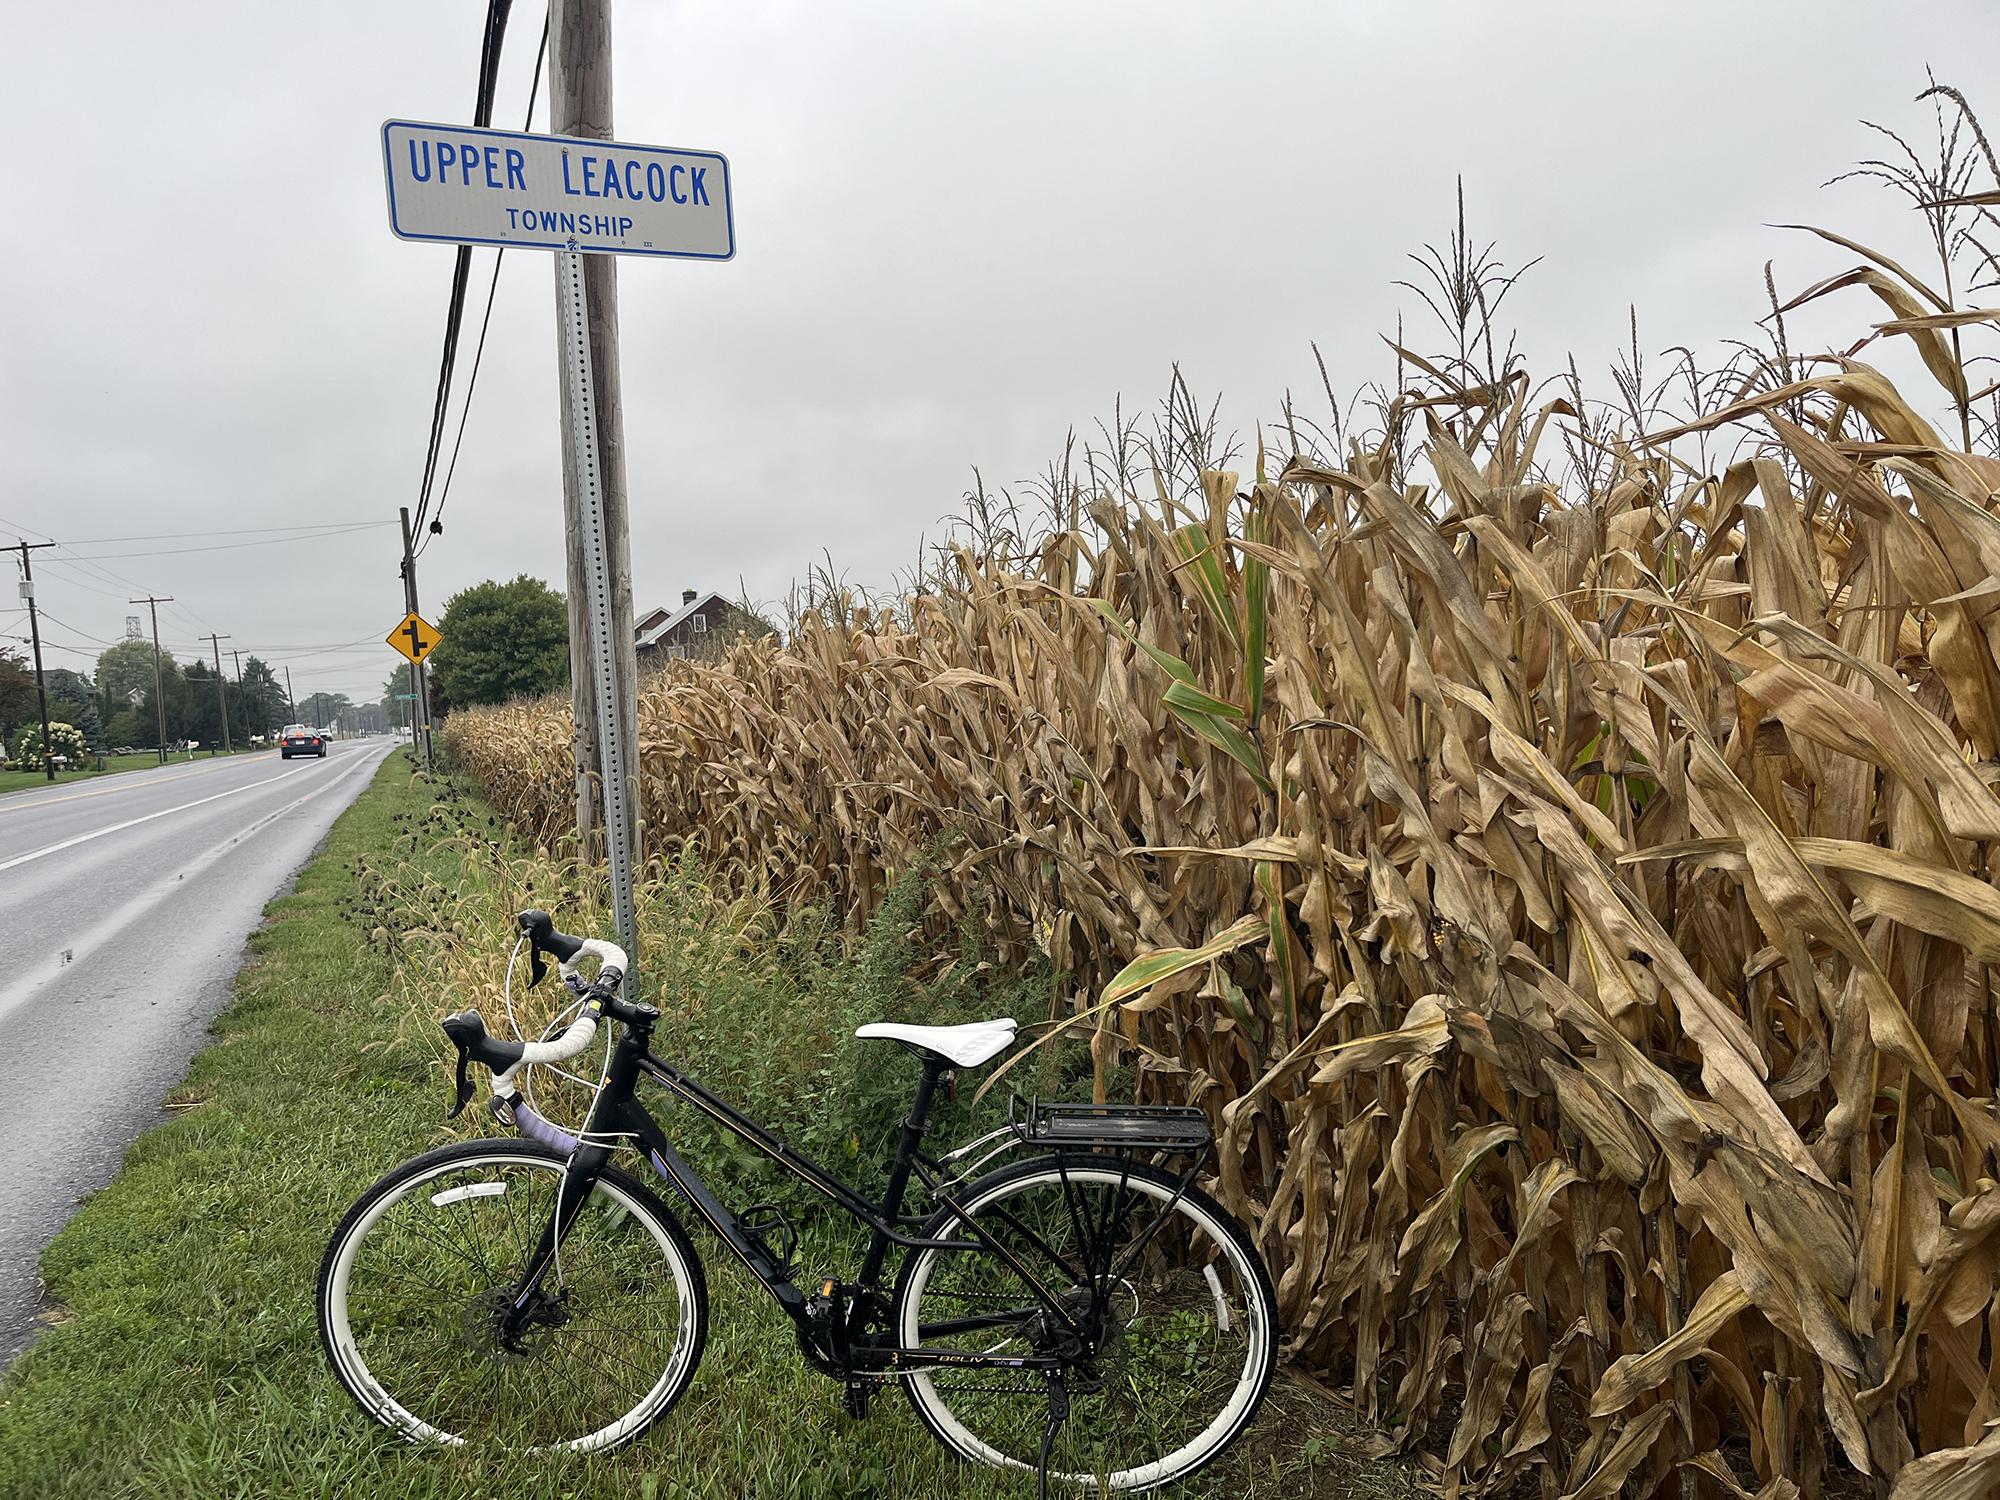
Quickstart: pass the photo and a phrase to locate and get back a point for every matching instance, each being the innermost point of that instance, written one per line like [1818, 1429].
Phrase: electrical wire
[318, 536]
[482, 117]
[174, 536]
[80, 634]
[472, 380]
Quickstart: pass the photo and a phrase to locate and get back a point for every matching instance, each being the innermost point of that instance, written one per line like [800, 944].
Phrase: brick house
[698, 629]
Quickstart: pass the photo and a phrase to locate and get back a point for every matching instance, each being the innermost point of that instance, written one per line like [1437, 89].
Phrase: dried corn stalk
[1570, 898]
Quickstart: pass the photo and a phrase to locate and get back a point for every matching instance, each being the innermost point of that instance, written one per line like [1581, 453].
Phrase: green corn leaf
[1227, 738]
[1273, 887]
[1240, 1008]
[1143, 973]
[1207, 715]
[1186, 695]
[1173, 666]
[1204, 572]
[1256, 603]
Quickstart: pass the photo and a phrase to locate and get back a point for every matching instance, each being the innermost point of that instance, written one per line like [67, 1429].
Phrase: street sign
[455, 185]
[415, 637]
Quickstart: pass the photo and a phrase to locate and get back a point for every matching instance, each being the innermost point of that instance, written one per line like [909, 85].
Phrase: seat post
[905, 1161]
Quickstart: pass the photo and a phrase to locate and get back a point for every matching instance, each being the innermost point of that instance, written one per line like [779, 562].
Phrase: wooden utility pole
[221, 688]
[421, 704]
[580, 105]
[35, 635]
[159, 684]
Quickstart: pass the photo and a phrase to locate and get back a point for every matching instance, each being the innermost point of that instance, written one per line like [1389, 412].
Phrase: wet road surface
[124, 905]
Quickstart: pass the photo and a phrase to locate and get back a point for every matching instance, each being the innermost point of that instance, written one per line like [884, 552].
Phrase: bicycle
[1082, 1312]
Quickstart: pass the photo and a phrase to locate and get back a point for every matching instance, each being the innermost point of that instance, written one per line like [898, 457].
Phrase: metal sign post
[597, 578]
[448, 184]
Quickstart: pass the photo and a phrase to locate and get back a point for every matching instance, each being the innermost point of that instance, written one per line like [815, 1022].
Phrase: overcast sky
[963, 229]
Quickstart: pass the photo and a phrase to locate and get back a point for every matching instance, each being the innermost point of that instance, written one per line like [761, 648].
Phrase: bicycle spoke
[426, 1293]
[1158, 1382]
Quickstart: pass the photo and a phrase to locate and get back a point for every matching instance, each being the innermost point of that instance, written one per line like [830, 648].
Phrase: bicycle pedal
[854, 1396]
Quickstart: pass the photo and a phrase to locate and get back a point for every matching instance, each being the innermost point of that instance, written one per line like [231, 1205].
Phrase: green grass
[18, 781]
[181, 1357]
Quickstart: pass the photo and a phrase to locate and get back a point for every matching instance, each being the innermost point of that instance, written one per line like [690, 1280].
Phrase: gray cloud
[963, 230]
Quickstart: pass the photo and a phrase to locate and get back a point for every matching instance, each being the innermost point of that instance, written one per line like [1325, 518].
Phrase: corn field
[1554, 844]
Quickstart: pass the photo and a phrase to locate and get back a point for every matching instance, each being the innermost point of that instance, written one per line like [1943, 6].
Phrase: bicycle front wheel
[1170, 1331]
[419, 1275]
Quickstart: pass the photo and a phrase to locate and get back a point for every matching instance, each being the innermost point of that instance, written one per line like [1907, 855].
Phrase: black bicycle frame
[618, 1114]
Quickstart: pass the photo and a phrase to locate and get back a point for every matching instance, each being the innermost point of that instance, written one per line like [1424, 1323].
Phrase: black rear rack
[1123, 1127]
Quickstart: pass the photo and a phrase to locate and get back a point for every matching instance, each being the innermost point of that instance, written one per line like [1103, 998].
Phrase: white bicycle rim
[391, 1413]
[1198, 1450]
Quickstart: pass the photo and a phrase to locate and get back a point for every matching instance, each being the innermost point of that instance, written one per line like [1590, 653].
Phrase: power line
[80, 634]
[482, 116]
[472, 380]
[274, 541]
[170, 536]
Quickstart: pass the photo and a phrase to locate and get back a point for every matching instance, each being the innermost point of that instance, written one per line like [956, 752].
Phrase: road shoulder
[180, 1282]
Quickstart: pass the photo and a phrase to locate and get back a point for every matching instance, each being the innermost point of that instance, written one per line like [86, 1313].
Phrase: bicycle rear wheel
[417, 1276]
[1178, 1323]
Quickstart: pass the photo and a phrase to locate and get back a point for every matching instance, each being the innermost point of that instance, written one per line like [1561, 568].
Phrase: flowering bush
[66, 740]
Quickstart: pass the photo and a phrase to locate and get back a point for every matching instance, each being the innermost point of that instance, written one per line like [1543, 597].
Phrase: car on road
[301, 739]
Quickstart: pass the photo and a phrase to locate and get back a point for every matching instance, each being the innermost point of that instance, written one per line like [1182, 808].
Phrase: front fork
[579, 1181]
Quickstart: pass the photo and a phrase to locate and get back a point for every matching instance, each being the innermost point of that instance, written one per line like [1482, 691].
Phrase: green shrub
[66, 740]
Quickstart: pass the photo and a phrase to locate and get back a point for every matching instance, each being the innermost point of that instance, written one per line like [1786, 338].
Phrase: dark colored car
[301, 739]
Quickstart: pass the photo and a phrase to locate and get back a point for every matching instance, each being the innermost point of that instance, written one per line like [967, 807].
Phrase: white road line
[129, 781]
[28, 981]
[84, 838]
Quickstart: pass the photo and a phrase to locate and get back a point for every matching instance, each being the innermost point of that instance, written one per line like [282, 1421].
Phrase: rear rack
[1123, 1127]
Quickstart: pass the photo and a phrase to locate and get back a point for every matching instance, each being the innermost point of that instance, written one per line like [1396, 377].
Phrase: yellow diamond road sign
[415, 637]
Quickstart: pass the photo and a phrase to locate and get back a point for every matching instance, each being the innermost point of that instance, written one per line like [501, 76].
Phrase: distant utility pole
[291, 703]
[421, 704]
[159, 685]
[580, 105]
[221, 688]
[35, 634]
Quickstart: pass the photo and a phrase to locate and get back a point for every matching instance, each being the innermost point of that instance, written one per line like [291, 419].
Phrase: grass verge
[183, 1360]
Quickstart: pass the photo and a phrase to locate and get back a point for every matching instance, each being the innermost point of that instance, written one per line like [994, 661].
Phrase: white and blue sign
[454, 185]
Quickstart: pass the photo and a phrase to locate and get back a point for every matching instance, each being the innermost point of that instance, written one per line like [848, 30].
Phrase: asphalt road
[124, 906]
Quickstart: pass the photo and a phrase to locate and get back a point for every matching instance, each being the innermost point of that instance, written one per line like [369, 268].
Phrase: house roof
[654, 634]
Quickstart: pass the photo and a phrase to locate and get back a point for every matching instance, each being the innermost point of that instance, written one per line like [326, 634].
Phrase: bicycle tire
[412, 1281]
[1198, 1296]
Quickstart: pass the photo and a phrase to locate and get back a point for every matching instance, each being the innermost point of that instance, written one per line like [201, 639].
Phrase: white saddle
[968, 1045]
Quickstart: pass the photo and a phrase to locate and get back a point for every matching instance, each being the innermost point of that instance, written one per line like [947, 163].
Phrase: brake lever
[464, 1084]
[539, 928]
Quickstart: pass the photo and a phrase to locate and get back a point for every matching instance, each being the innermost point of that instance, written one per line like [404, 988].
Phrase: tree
[17, 691]
[322, 709]
[264, 698]
[502, 640]
[125, 669]
[396, 707]
[129, 729]
[73, 700]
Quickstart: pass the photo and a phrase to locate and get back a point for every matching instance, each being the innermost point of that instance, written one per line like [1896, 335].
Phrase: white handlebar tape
[571, 1042]
[581, 1030]
[608, 956]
